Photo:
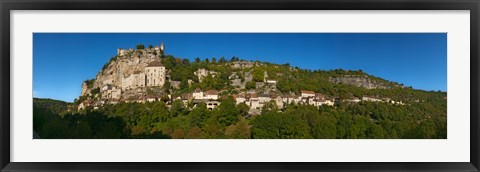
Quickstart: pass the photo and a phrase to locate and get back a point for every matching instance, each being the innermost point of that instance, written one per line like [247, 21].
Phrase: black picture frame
[8, 5]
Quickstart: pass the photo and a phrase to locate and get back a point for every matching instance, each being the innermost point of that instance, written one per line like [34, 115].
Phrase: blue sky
[62, 61]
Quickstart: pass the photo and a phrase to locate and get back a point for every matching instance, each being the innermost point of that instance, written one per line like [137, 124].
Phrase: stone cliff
[115, 79]
[360, 81]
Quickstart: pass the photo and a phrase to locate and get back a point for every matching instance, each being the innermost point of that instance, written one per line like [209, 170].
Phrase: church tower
[162, 49]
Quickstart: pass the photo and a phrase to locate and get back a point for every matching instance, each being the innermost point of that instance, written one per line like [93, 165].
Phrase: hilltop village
[143, 93]
[141, 75]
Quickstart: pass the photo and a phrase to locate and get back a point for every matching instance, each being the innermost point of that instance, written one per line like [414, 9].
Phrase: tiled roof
[211, 92]
[264, 95]
[307, 92]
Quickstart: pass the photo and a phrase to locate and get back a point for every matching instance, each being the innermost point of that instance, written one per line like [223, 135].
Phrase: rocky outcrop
[115, 73]
[359, 81]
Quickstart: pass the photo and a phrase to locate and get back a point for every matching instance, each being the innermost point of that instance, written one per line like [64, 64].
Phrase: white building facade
[155, 74]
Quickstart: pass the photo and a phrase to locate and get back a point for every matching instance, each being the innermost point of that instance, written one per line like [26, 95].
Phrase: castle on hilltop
[153, 75]
[158, 49]
[131, 70]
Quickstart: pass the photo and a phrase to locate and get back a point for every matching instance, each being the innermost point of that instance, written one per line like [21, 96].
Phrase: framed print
[232, 85]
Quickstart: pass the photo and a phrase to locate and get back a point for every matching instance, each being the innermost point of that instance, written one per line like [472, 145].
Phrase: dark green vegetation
[156, 120]
[55, 106]
[424, 114]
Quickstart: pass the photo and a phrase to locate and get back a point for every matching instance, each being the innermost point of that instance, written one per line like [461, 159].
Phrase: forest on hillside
[365, 120]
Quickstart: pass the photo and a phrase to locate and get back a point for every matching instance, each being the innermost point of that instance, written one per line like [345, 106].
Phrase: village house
[197, 94]
[371, 99]
[253, 101]
[289, 99]
[186, 98]
[353, 100]
[305, 93]
[328, 102]
[212, 104]
[211, 95]
[264, 98]
[153, 98]
[396, 102]
[271, 81]
[239, 98]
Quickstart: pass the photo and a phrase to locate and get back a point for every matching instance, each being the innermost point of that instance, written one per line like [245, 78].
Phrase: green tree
[81, 131]
[199, 115]
[177, 108]
[241, 130]
[140, 47]
[55, 128]
[243, 109]
[276, 125]
[250, 85]
[228, 113]
[222, 60]
[258, 75]
[269, 106]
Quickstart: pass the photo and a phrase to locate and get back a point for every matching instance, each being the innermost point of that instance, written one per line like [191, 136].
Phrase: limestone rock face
[115, 74]
[123, 67]
[359, 81]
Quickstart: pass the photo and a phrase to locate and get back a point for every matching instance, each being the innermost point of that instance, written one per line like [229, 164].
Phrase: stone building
[137, 79]
[155, 72]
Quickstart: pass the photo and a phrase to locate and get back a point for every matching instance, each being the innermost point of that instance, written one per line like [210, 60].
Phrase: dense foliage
[55, 106]
[157, 120]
